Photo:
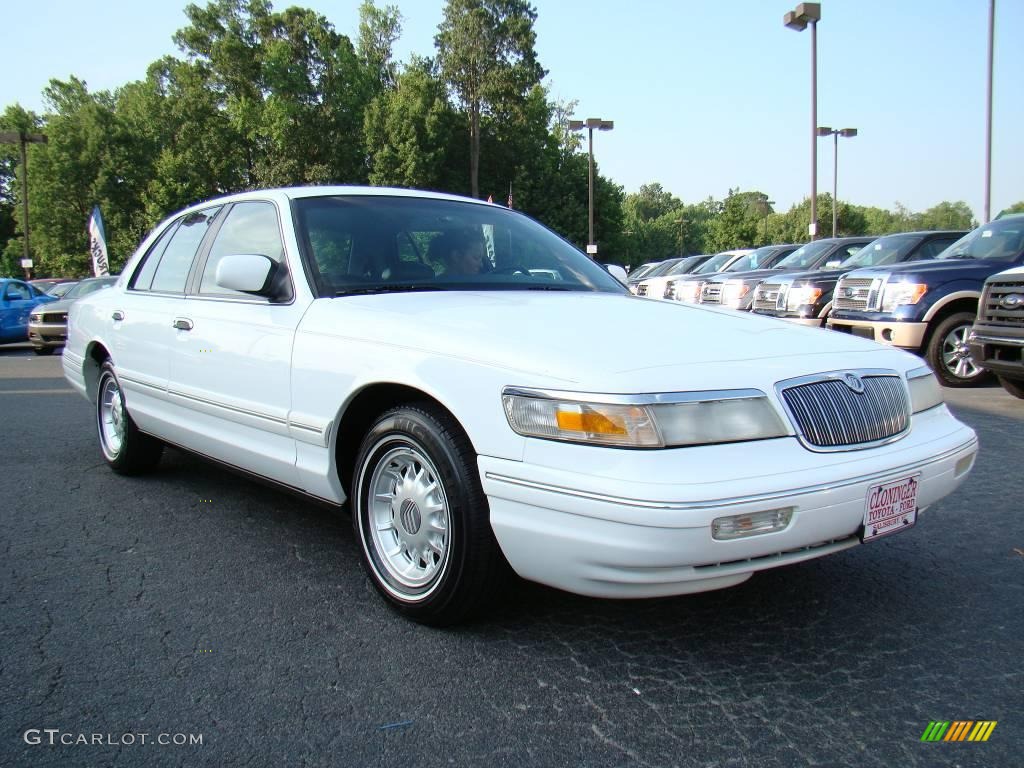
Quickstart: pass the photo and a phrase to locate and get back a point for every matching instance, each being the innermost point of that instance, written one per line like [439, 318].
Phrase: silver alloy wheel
[408, 521]
[111, 417]
[956, 354]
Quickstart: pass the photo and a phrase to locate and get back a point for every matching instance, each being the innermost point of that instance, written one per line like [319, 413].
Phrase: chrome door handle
[182, 324]
[117, 315]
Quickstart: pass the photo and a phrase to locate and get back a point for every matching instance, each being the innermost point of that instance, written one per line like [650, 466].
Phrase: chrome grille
[993, 312]
[861, 294]
[55, 317]
[641, 290]
[711, 293]
[770, 296]
[829, 414]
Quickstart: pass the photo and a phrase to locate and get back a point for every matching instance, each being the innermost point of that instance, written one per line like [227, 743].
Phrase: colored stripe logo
[959, 730]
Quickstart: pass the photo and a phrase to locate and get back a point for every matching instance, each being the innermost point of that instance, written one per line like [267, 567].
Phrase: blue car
[17, 298]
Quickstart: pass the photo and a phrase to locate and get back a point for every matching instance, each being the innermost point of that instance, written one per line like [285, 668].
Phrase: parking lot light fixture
[804, 15]
[590, 124]
[847, 133]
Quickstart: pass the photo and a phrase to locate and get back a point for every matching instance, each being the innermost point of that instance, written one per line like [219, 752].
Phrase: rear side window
[250, 228]
[168, 262]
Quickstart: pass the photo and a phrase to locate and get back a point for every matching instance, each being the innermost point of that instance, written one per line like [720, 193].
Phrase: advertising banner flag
[98, 244]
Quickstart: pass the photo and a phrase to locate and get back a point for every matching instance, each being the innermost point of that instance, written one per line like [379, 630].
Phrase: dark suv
[997, 341]
[928, 307]
[806, 297]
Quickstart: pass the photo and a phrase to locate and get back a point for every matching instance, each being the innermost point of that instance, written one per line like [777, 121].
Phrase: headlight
[35, 317]
[733, 292]
[925, 391]
[688, 291]
[898, 294]
[802, 296]
[645, 421]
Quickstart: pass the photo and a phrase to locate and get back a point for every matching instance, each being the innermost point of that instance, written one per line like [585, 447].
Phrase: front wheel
[1014, 386]
[422, 518]
[127, 450]
[950, 356]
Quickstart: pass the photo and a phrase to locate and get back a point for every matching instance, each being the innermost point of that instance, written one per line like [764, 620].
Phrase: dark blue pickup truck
[928, 307]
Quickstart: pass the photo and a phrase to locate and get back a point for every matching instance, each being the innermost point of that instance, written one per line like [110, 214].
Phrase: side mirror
[248, 273]
[618, 273]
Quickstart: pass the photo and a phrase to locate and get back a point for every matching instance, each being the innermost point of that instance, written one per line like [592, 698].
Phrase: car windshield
[86, 287]
[377, 244]
[640, 271]
[715, 264]
[751, 261]
[662, 268]
[805, 256]
[884, 250]
[60, 289]
[999, 240]
[683, 266]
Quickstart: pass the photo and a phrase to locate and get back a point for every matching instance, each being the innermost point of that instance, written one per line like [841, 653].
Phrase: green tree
[379, 28]
[486, 54]
[14, 118]
[410, 132]
[947, 215]
[1015, 208]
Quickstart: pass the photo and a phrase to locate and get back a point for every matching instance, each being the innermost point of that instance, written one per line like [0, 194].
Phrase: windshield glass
[86, 287]
[683, 266]
[715, 264]
[804, 257]
[640, 271]
[663, 268]
[1000, 240]
[752, 261]
[60, 289]
[884, 250]
[374, 244]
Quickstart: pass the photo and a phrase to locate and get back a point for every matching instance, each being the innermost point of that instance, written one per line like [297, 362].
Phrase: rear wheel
[950, 356]
[1014, 386]
[127, 450]
[422, 518]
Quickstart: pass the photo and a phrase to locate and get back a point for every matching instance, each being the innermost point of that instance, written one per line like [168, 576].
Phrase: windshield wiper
[960, 256]
[392, 288]
[548, 288]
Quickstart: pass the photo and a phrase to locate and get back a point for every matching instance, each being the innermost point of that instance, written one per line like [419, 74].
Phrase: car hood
[59, 305]
[604, 342]
[952, 269]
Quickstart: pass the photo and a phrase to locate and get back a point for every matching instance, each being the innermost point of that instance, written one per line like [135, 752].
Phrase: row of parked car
[945, 295]
[37, 310]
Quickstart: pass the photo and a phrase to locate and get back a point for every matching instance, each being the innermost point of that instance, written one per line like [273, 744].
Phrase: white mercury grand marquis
[482, 393]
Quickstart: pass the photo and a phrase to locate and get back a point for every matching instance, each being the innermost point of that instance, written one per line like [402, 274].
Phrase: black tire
[416, 476]
[44, 350]
[1014, 386]
[949, 356]
[126, 450]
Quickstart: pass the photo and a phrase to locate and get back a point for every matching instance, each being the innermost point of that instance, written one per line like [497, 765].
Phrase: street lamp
[22, 138]
[590, 124]
[767, 212]
[988, 111]
[798, 19]
[848, 133]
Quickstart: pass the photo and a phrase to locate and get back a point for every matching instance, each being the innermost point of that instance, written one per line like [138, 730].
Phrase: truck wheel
[1014, 386]
[949, 355]
[421, 516]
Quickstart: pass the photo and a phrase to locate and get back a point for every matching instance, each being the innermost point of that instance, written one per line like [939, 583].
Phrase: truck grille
[829, 414]
[55, 317]
[862, 294]
[770, 296]
[993, 309]
[711, 293]
[641, 290]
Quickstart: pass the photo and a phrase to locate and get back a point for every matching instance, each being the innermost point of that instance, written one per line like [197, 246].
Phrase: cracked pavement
[195, 601]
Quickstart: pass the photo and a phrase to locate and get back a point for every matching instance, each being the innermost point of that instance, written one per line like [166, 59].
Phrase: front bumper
[998, 349]
[808, 322]
[897, 333]
[634, 524]
[47, 334]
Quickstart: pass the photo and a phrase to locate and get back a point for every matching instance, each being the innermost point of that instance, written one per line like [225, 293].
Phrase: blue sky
[705, 95]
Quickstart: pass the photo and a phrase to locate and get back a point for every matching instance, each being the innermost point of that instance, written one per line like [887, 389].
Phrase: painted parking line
[37, 391]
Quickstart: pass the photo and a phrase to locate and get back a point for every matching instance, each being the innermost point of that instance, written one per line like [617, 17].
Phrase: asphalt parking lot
[195, 602]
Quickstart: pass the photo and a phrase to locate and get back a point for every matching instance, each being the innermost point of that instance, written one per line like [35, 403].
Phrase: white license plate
[890, 507]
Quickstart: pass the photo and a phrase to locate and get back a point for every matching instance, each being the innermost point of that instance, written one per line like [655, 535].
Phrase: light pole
[767, 212]
[22, 138]
[682, 236]
[590, 124]
[988, 112]
[798, 19]
[847, 133]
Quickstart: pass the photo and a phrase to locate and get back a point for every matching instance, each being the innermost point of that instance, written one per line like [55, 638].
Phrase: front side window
[367, 243]
[17, 291]
[249, 228]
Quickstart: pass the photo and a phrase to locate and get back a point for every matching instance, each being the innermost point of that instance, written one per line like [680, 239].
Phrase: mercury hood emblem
[854, 382]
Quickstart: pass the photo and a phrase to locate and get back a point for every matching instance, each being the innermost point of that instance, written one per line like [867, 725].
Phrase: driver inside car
[460, 252]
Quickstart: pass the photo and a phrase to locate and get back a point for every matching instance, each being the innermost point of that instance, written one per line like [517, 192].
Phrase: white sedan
[411, 354]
